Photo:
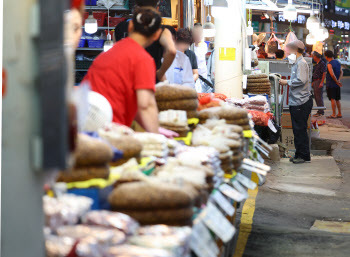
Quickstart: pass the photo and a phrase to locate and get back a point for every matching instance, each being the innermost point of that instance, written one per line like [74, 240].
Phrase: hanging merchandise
[272, 44]
[290, 38]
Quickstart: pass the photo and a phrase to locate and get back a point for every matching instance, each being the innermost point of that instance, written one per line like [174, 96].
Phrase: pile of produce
[258, 84]
[175, 121]
[232, 115]
[92, 157]
[177, 97]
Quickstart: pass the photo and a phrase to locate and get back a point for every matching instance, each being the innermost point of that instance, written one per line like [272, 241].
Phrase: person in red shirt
[125, 73]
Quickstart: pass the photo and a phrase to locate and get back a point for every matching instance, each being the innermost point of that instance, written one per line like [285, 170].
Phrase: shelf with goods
[190, 182]
[102, 8]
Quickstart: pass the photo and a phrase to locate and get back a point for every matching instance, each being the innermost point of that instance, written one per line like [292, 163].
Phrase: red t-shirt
[118, 73]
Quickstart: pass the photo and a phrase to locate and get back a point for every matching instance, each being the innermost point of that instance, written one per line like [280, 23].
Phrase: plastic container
[95, 43]
[82, 42]
[114, 21]
[91, 2]
[83, 65]
[100, 17]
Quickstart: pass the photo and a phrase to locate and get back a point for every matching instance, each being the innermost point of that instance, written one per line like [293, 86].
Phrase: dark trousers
[318, 93]
[300, 115]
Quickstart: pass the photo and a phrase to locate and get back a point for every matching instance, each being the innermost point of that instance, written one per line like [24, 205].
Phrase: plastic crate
[114, 21]
[82, 42]
[95, 43]
[98, 195]
[82, 65]
[91, 2]
[86, 15]
[100, 17]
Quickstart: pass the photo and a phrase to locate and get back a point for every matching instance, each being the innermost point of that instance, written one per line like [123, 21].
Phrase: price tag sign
[245, 181]
[217, 223]
[202, 243]
[231, 192]
[240, 188]
[223, 203]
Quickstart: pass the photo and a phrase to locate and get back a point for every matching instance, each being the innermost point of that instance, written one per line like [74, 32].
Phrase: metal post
[22, 217]
[188, 14]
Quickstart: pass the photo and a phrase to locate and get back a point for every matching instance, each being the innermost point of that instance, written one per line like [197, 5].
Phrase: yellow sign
[227, 54]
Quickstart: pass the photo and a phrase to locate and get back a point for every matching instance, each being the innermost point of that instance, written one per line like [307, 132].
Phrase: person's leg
[301, 139]
[339, 108]
[305, 146]
[295, 113]
[318, 93]
[333, 107]
[337, 100]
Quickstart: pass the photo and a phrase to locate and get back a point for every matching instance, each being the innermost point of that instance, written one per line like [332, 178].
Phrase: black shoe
[298, 161]
[291, 159]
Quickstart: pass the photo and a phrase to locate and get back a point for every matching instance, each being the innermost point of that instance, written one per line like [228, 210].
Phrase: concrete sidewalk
[321, 177]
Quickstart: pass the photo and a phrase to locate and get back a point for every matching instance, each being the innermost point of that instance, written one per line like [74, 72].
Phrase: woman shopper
[300, 101]
[334, 75]
[125, 73]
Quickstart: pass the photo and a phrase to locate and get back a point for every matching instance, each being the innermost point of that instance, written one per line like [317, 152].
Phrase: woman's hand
[168, 133]
[339, 84]
[283, 82]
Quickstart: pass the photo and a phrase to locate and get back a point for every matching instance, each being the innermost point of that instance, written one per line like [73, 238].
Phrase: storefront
[116, 190]
[339, 30]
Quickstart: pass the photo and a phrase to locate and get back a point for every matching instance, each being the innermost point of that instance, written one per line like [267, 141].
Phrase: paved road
[277, 219]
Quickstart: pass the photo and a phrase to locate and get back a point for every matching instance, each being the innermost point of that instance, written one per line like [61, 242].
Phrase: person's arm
[147, 115]
[331, 72]
[166, 40]
[195, 74]
[301, 78]
[323, 78]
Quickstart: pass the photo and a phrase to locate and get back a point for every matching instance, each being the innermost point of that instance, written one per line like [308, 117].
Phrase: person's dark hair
[329, 54]
[121, 31]
[171, 29]
[184, 36]
[301, 50]
[144, 3]
[198, 24]
[317, 54]
[279, 54]
[146, 21]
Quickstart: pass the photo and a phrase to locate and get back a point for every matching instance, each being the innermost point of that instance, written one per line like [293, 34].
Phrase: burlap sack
[187, 104]
[130, 146]
[228, 112]
[259, 80]
[83, 174]
[175, 92]
[149, 196]
[92, 152]
[257, 76]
